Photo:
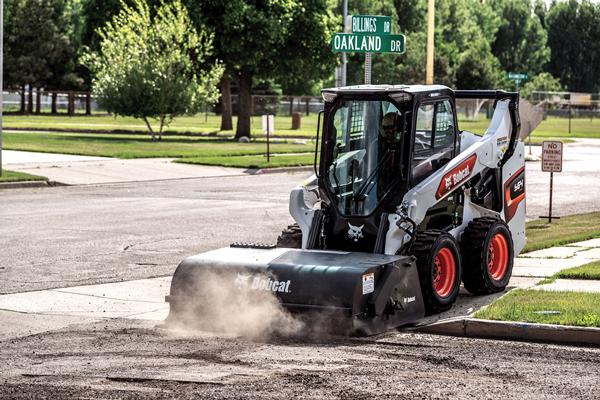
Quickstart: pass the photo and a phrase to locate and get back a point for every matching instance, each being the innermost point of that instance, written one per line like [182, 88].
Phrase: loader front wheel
[291, 237]
[487, 256]
[438, 264]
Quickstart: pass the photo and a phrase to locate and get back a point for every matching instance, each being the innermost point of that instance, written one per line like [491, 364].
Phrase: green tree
[38, 50]
[463, 56]
[520, 43]
[540, 9]
[282, 39]
[153, 67]
[95, 14]
[574, 40]
[543, 82]
[478, 69]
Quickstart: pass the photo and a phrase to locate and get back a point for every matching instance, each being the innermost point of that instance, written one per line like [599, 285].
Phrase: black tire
[291, 237]
[483, 273]
[428, 246]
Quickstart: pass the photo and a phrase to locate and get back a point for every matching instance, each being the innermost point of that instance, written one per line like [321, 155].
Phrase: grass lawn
[13, 176]
[134, 146]
[538, 306]
[195, 124]
[569, 229]
[552, 127]
[589, 271]
[256, 161]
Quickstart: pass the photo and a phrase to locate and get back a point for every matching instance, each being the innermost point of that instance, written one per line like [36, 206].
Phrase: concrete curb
[518, 331]
[29, 184]
[278, 170]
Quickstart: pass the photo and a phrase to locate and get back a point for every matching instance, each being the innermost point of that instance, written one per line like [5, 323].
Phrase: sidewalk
[83, 170]
[545, 263]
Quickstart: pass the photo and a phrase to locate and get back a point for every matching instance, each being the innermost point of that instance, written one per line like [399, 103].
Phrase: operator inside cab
[389, 150]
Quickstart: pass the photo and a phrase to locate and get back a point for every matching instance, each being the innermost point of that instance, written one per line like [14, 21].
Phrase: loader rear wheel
[291, 237]
[438, 264]
[487, 256]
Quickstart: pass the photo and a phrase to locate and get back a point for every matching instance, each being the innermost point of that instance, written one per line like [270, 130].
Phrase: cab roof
[373, 89]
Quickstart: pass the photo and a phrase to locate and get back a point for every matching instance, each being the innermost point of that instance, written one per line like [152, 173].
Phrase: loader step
[244, 245]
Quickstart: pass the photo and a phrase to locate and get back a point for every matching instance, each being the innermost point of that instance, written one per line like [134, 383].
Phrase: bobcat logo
[448, 182]
[355, 232]
[242, 280]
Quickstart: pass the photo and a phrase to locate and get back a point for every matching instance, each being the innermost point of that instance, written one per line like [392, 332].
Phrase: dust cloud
[226, 303]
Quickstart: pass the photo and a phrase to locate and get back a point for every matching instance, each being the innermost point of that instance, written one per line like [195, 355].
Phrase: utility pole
[1, 74]
[344, 57]
[430, 42]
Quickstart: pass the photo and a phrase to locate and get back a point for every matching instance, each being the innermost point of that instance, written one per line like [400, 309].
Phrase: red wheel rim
[444, 272]
[498, 257]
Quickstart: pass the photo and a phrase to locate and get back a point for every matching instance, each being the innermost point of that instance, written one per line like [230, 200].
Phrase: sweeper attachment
[402, 207]
[363, 293]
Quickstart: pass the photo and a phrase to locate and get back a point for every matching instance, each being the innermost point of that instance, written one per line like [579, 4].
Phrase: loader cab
[378, 141]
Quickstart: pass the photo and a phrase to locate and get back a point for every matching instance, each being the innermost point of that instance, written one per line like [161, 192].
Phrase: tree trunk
[38, 100]
[22, 109]
[71, 106]
[30, 102]
[244, 105]
[150, 129]
[160, 129]
[88, 104]
[54, 95]
[226, 110]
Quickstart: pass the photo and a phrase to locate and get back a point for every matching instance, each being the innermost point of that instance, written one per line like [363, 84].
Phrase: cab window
[435, 135]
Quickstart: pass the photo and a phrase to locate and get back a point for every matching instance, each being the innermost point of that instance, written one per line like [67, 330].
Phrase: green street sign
[361, 43]
[517, 77]
[371, 24]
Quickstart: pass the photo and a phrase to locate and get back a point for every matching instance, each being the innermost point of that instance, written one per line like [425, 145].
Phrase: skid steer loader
[402, 207]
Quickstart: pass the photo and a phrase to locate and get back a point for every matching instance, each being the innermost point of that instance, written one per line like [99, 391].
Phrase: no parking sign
[552, 157]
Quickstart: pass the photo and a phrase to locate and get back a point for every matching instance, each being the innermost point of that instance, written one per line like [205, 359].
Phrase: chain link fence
[50, 102]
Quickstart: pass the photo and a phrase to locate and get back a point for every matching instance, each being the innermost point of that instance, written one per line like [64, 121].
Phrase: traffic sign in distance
[361, 43]
[552, 152]
[371, 24]
[268, 124]
[517, 77]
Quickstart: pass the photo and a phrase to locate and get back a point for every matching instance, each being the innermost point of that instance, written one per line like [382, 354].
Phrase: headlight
[329, 97]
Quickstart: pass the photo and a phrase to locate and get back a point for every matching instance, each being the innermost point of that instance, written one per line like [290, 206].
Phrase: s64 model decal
[456, 176]
[514, 193]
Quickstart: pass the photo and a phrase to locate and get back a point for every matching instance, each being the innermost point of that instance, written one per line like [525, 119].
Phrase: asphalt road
[66, 236]
[134, 360]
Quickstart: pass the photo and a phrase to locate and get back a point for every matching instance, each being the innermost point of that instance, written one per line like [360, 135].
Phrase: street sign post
[268, 127]
[552, 158]
[368, 34]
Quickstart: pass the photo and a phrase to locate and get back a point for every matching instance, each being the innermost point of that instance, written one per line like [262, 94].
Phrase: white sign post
[552, 157]
[268, 127]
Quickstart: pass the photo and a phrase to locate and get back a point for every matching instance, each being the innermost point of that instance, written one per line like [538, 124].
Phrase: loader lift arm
[513, 108]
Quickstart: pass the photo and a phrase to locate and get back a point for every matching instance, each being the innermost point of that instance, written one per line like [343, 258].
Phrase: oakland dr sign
[362, 43]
